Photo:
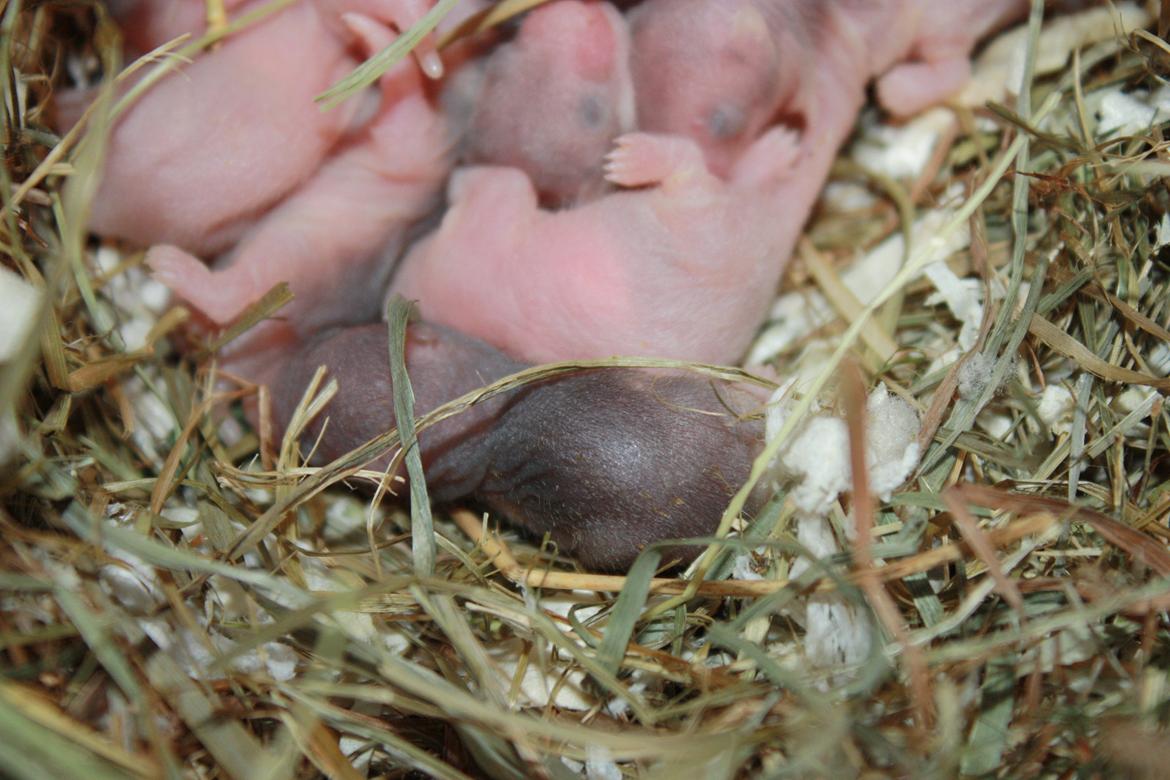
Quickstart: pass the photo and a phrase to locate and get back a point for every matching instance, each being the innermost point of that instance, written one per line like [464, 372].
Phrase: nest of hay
[175, 604]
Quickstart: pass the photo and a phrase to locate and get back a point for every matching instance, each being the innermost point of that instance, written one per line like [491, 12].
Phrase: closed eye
[592, 111]
[725, 121]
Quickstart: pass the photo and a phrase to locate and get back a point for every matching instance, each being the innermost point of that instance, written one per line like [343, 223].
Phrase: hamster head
[719, 89]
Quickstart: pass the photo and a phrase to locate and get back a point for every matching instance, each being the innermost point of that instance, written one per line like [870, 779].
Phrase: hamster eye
[592, 111]
[725, 121]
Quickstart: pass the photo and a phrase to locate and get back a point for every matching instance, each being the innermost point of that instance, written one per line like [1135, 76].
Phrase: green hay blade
[422, 526]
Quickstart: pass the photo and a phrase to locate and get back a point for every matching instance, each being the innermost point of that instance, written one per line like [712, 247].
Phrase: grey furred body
[604, 461]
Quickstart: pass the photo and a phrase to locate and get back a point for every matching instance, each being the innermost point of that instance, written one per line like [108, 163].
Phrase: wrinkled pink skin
[147, 24]
[551, 101]
[333, 240]
[719, 71]
[605, 462]
[685, 269]
[159, 182]
[202, 154]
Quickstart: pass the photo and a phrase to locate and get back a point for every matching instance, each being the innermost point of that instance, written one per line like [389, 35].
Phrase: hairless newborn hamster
[552, 100]
[334, 239]
[683, 269]
[198, 157]
[603, 461]
[719, 71]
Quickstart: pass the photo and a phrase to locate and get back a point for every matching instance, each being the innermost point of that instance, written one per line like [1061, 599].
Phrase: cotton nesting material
[815, 463]
[1001, 65]
[796, 315]
[20, 303]
[904, 150]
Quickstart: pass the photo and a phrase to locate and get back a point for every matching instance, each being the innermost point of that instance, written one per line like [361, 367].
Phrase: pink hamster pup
[719, 71]
[604, 462]
[334, 239]
[552, 100]
[203, 153]
[685, 268]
